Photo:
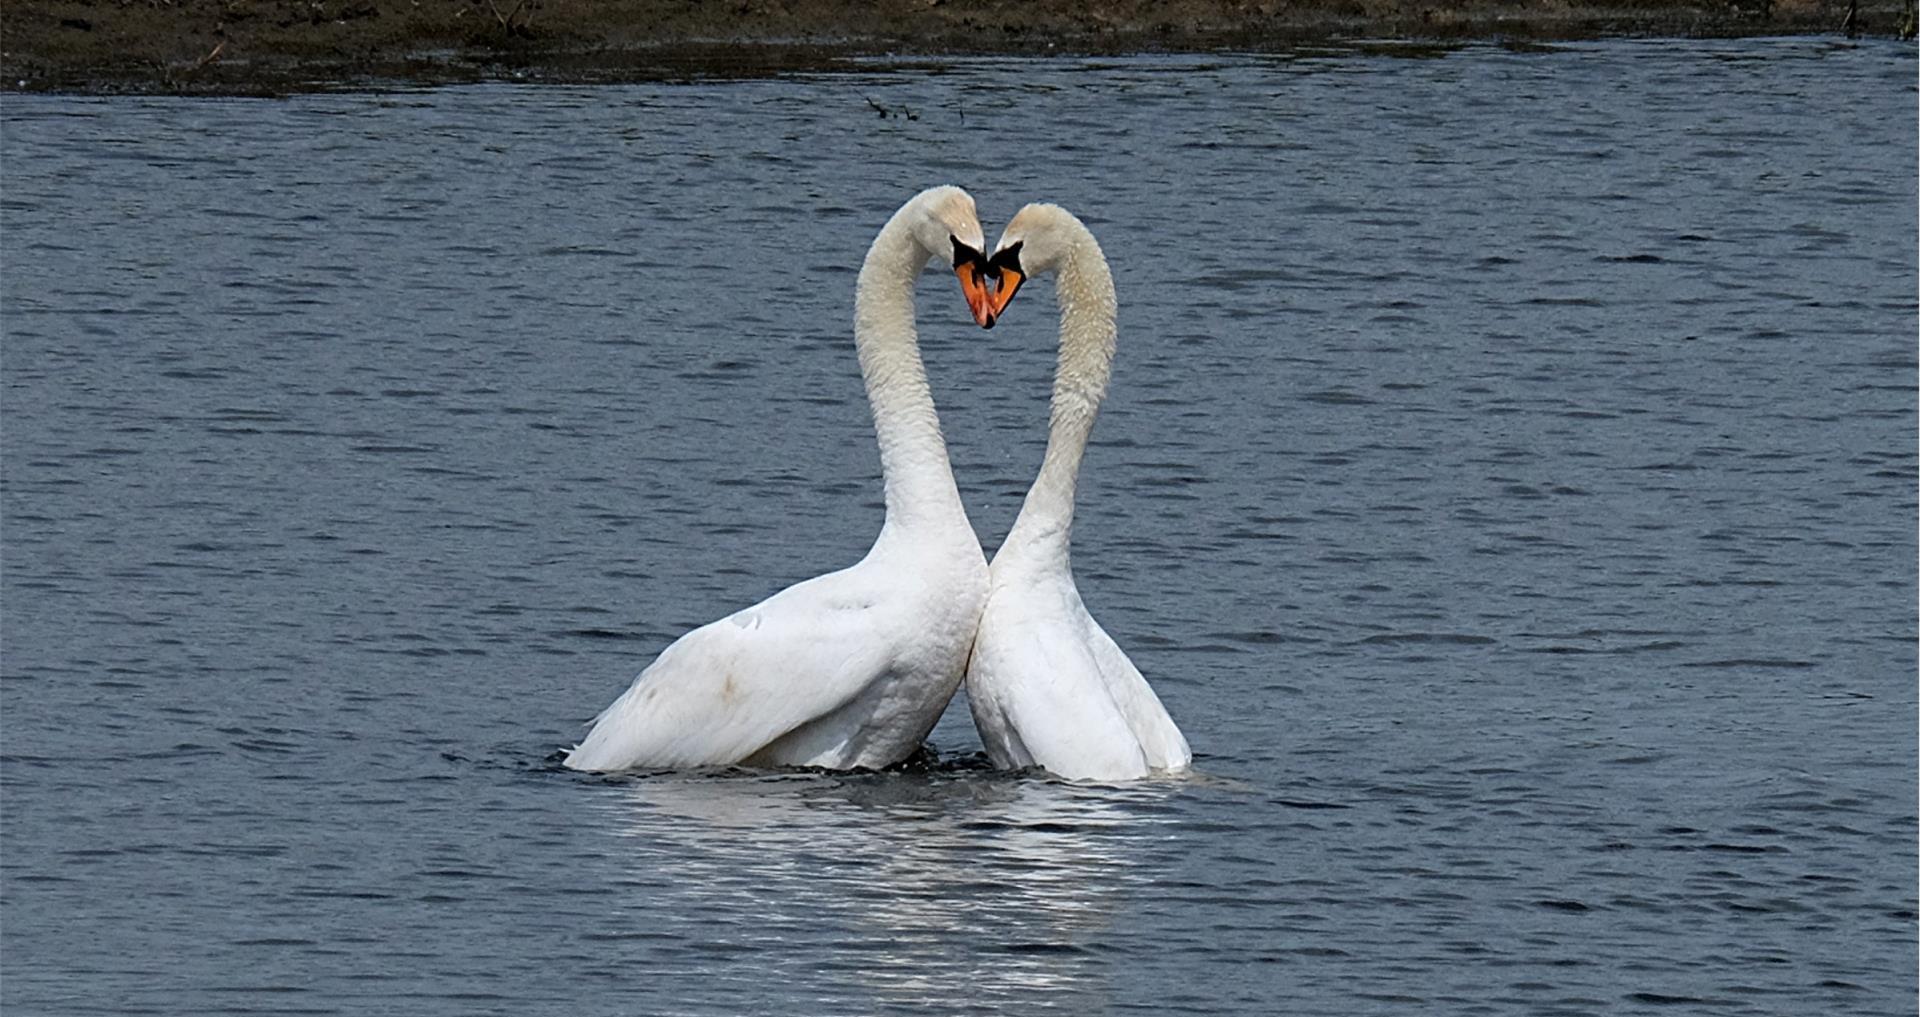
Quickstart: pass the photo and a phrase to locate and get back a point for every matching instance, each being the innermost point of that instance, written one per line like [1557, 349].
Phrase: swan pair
[853, 668]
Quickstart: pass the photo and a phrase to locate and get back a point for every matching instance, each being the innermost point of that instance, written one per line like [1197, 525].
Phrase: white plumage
[853, 668]
[1048, 687]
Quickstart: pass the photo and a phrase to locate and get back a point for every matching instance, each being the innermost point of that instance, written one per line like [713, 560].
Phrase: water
[1509, 485]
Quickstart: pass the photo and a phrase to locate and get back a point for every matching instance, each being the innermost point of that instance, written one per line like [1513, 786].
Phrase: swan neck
[913, 456]
[1084, 287]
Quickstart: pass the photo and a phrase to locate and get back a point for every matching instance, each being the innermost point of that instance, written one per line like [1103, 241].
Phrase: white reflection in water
[963, 889]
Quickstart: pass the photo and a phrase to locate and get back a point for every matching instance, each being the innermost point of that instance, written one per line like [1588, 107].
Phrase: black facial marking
[962, 254]
[1008, 258]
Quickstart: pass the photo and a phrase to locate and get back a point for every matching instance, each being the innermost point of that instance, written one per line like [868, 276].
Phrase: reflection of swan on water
[1048, 687]
[850, 669]
[905, 885]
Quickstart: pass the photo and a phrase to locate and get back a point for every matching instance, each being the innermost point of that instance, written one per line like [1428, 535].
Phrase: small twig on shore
[212, 55]
[506, 20]
[174, 76]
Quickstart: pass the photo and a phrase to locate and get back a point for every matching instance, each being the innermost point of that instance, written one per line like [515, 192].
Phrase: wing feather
[1153, 728]
[725, 690]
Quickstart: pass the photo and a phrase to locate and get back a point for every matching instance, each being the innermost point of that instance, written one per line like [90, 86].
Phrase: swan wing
[726, 690]
[1153, 729]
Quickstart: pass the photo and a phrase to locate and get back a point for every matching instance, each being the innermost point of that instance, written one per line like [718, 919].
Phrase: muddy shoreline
[270, 47]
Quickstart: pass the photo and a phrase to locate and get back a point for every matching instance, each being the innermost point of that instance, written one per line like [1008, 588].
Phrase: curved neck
[1087, 334]
[913, 457]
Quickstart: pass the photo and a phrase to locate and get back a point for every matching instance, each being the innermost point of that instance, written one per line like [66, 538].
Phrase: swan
[853, 668]
[1047, 686]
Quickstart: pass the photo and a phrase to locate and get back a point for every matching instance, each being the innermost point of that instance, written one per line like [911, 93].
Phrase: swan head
[1037, 240]
[945, 223]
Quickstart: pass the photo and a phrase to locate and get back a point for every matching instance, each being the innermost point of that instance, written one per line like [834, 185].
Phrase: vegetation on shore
[241, 46]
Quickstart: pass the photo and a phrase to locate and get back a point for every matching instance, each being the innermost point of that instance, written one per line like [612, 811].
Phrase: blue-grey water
[1508, 484]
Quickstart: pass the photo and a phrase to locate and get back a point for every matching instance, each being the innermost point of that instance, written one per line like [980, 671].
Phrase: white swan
[853, 668]
[1048, 687]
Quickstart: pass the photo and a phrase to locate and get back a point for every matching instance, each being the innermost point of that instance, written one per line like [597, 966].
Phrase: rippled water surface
[1509, 484]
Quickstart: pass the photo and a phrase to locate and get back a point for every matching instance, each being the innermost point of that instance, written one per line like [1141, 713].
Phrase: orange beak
[973, 285]
[1005, 287]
